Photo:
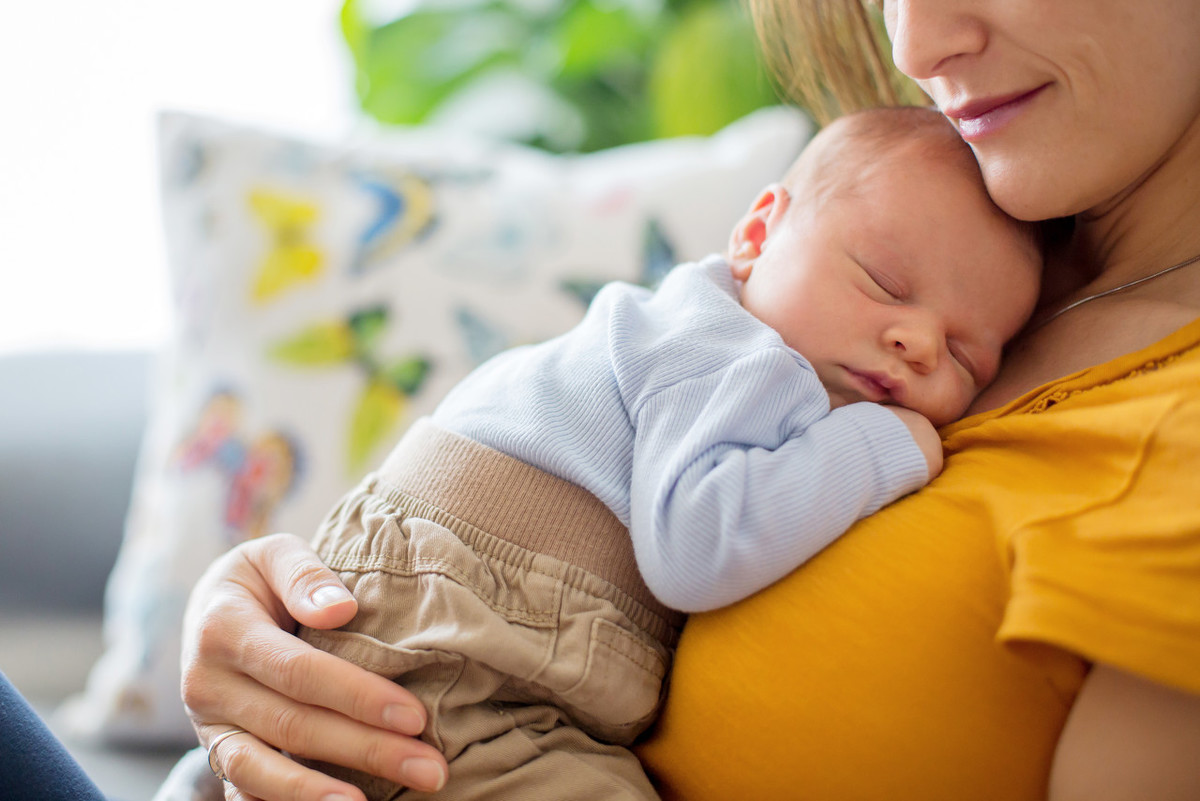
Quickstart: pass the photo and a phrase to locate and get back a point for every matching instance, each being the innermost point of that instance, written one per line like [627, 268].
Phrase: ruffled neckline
[1151, 357]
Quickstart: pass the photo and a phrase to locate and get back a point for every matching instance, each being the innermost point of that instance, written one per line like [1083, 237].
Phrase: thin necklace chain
[1121, 288]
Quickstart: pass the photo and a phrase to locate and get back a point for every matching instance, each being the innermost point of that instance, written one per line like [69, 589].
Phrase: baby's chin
[838, 400]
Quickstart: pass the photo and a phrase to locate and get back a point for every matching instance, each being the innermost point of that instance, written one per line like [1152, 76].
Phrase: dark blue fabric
[33, 764]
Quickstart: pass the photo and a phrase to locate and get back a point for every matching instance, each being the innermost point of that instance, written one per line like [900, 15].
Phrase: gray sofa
[70, 428]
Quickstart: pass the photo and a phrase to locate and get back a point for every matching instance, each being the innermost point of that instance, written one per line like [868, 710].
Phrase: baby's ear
[751, 232]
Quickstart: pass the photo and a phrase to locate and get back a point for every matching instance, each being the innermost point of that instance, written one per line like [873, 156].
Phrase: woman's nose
[927, 34]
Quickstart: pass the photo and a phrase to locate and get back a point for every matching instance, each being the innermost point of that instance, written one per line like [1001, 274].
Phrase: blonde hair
[831, 56]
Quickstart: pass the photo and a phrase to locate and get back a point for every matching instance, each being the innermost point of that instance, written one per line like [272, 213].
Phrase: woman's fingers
[243, 668]
[309, 731]
[295, 576]
[299, 672]
[322, 735]
[328, 735]
[257, 772]
[233, 629]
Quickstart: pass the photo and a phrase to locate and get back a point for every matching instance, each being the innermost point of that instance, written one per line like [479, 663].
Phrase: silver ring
[216, 769]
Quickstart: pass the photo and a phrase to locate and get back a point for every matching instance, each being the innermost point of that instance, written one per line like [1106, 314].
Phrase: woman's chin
[1031, 194]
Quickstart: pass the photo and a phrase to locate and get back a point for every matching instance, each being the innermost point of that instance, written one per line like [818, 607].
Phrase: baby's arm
[742, 475]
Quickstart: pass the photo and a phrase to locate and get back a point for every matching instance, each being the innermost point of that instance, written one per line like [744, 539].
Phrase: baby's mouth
[875, 387]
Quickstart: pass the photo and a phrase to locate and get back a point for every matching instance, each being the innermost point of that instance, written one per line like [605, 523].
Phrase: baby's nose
[917, 344]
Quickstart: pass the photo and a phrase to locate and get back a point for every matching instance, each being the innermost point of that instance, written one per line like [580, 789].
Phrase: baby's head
[881, 259]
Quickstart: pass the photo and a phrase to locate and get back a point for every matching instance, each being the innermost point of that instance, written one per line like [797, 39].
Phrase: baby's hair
[846, 152]
[847, 149]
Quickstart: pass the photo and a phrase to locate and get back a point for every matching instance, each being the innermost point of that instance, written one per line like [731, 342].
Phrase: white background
[81, 261]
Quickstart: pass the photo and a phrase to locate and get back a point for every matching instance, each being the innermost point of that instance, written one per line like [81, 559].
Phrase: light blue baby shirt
[704, 433]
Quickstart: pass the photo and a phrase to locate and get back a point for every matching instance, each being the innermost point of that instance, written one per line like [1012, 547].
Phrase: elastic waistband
[519, 504]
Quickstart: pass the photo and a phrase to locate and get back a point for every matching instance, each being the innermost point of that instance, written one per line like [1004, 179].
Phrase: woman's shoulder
[1090, 484]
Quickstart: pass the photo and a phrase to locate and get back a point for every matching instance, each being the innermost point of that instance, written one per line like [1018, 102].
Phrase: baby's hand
[925, 434]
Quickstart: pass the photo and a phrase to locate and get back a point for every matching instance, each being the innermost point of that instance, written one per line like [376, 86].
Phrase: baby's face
[903, 290]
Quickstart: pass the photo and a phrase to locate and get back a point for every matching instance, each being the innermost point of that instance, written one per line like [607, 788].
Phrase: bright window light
[81, 252]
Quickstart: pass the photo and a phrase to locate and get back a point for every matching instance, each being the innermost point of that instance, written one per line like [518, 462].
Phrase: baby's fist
[925, 434]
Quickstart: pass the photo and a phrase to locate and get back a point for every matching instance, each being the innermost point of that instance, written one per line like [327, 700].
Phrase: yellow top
[909, 659]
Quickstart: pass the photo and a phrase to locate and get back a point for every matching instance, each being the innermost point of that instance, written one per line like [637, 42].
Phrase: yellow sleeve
[1118, 580]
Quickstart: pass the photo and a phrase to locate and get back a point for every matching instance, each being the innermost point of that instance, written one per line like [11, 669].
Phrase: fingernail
[423, 774]
[329, 595]
[403, 719]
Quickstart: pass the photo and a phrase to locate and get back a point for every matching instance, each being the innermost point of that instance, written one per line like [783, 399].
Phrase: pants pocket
[621, 686]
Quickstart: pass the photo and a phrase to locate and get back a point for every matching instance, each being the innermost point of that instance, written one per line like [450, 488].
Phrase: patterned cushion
[327, 294]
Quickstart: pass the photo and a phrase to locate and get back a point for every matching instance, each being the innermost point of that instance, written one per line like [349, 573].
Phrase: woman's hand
[243, 668]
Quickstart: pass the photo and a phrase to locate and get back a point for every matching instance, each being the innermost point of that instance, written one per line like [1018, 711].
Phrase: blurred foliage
[603, 72]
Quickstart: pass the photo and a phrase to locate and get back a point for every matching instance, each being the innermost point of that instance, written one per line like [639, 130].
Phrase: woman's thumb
[327, 606]
[311, 592]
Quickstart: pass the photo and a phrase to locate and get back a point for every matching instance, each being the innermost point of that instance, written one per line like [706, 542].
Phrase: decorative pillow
[326, 295]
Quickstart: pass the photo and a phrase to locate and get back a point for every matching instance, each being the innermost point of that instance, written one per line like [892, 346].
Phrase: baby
[522, 558]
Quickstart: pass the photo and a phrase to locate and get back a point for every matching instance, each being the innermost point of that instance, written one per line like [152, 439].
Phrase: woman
[32, 759]
[1026, 626]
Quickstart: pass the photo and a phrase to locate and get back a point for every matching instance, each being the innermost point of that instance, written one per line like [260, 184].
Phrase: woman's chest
[876, 671]
[1085, 337]
[873, 672]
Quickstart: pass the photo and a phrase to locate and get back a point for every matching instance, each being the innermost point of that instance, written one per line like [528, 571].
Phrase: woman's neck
[1152, 225]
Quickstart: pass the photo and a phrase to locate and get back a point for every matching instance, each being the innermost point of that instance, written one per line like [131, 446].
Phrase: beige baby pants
[509, 602]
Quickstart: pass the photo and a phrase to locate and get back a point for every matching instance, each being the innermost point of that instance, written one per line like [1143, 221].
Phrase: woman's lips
[981, 118]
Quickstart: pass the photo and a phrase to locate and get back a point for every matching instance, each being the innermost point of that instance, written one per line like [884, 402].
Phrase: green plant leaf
[409, 66]
[318, 345]
[632, 69]
[613, 114]
[595, 38]
[355, 29]
[708, 73]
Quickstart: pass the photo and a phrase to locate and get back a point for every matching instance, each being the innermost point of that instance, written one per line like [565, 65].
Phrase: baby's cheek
[951, 402]
[966, 393]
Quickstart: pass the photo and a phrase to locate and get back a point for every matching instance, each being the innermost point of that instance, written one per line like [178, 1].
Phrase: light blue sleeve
[742, 474]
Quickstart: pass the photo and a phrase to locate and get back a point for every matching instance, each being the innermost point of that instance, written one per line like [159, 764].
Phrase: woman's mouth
[981, 118]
